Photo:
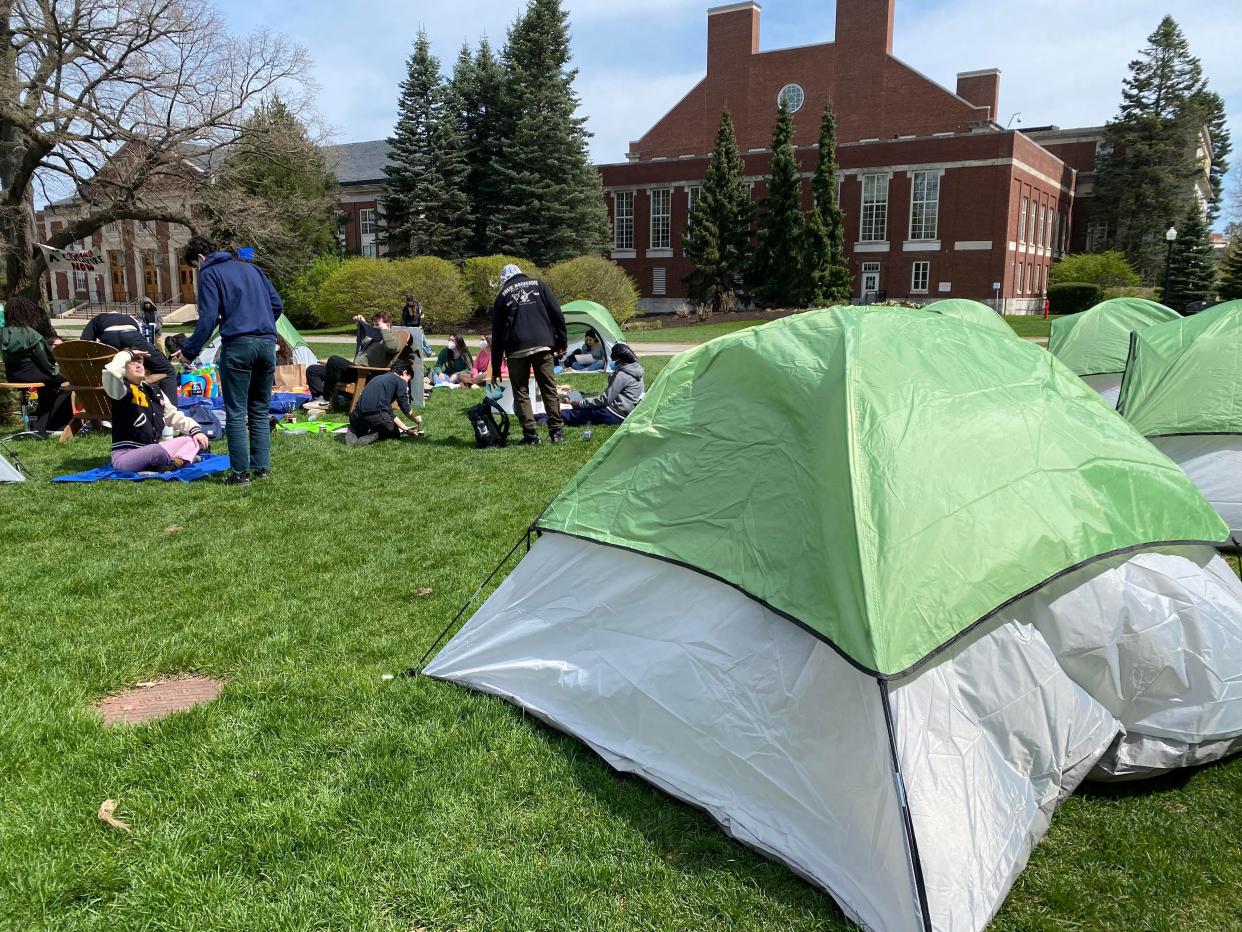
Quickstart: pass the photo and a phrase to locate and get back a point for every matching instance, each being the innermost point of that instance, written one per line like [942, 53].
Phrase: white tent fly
[8, 471]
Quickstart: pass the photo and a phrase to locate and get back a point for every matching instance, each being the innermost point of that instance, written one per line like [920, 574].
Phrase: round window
[792, 97]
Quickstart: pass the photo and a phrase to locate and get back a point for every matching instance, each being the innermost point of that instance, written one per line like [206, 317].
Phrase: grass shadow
[1171, 782]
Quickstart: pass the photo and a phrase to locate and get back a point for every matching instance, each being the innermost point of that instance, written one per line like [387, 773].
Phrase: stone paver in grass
[157, 698]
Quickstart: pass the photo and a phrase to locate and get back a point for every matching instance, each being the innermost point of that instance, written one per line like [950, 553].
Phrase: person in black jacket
[123, 332]
[373, 419]
[412, 313]
[528, 329]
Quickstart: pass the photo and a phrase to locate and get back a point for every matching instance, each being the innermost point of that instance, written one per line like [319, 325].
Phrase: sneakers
[556, 436]
[237, 478]
[261, 474]
[529, 440]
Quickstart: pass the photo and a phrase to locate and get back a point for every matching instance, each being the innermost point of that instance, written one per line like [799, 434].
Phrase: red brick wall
[982, 90]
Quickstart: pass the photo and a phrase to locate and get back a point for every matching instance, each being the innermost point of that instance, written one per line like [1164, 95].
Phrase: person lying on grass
[140, 414]
[618, 399]
[373, 419]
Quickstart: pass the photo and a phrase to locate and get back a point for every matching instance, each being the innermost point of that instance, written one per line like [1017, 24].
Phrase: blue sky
[1059, 63]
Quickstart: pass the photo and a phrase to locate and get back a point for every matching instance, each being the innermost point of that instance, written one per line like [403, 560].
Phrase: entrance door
[186, 275]
[150, 276]
[870, 286]
[116, 265]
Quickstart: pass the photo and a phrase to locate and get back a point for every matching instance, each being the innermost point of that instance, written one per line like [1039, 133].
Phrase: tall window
[924, 205]
[1043, 224]
[919, 276]
[874, 208]
[661, 218]
[692, 198]
[1026, 202]
[623, 220]
[366, 221]
[1030, 237]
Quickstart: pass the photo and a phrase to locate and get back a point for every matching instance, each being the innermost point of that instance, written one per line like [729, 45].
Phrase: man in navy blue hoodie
[237, 297]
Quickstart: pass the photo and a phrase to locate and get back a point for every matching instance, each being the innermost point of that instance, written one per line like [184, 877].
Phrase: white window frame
[366, 221]
[369, 250]
[873, 217]
[1026, 203]
[692, 195]
[1043, 225]
[660, 227]
[623, 220]
[1032, 220]
[920, 270]
[791, 87]
[920, 207]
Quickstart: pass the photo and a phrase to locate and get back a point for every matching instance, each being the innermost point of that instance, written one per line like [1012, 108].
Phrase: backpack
[205, 417]
[488, 430]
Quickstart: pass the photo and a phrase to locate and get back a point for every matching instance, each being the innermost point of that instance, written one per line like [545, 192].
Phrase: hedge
[1072, 297]
[365, 286]
[594, 278]
[481, 275]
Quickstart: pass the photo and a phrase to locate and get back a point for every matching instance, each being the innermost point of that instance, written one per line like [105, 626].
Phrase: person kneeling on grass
[140, 413]
[373, 419]
[613, 405]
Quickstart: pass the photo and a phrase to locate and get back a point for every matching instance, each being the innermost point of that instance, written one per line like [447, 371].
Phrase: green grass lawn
[1023, 326]
[313, 794]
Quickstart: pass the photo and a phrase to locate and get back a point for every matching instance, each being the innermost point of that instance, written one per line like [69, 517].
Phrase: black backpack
[489, 431]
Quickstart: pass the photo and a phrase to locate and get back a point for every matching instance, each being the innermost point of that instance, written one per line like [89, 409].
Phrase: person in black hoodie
[123, 332]
[412, 313]
[528, 329]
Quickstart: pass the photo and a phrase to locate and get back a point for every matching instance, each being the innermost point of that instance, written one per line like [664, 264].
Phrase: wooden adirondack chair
[356, 377]
[82, 364]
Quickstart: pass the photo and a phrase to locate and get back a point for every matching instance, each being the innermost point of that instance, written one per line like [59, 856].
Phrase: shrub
[364, 286]
[1072, 297]
[1138, 292]
[301, 297]
[594, 278]
[1106, 269]
[481, 275]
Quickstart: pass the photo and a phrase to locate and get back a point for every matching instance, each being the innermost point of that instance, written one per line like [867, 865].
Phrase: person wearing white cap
[528, 329]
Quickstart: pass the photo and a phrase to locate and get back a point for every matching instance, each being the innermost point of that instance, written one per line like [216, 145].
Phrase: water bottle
[586, 435]
[166, 433]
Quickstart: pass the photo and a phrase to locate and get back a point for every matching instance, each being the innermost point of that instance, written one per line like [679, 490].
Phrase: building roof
[358, 162]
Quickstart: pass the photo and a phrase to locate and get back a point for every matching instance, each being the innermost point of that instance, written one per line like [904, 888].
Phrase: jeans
[577, 416]
[155, 457]
[520, 370]
[378, 422]
[594, 366]
[247, 371]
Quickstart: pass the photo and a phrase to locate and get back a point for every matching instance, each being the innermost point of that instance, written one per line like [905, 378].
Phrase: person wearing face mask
[453, 360]
[478, 375]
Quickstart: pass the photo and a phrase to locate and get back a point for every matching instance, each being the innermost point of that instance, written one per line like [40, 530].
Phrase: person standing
[238, 297]
[412, 313]
[528, 329]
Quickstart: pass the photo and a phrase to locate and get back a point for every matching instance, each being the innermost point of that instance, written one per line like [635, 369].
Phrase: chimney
[865, 27]
[732, 36]
[981, 88]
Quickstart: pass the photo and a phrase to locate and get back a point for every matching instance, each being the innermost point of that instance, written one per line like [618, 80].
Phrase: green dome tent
[831, 567]
[581, 316]
[1095, 343]
[1182, 391]
[973, 311]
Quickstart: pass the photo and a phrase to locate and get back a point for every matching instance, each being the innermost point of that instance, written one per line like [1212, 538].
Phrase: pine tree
[1146, 172]
[424, 206]
[718, 241]
[553, 198]
[479, 82]
[1231, 271]
[1192, 269]
[828, 272]
[778, 276]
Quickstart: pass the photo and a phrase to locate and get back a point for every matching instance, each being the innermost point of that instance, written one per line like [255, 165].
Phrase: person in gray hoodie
[619, 398]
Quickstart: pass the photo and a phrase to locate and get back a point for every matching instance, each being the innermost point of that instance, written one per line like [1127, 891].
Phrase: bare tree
[124, 104]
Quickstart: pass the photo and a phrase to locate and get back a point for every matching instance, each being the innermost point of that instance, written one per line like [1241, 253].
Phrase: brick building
[940, 200]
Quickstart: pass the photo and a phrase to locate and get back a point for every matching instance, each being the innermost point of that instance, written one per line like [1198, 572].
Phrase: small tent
[973, 311]
[1182, 392]
[1095, 343]
[303, 355]
[862, 584]
[9, 472]
[581, 316]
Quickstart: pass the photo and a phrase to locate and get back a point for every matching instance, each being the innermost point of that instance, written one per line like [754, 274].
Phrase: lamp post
[1170, 235]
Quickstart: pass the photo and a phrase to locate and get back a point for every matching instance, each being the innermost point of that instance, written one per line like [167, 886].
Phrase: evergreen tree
[1192, 269]
[275, 193]
[479, 83]
[425, 208]
[778, 275]
[1231, 271]
[828, 272]
[718, 241]
[553, 198]
[1146, 172]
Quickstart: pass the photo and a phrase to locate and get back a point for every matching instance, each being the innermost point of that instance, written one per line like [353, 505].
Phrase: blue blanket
[282, 402]
[208, 465]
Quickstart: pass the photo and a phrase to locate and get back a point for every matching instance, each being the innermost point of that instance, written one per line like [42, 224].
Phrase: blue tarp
[208, 465]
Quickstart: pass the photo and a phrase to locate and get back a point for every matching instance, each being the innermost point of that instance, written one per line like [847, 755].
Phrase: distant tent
[973, 311]
[302, 353]
[1183, 391]
[1095, 343]
[581, 316]
[876, 591]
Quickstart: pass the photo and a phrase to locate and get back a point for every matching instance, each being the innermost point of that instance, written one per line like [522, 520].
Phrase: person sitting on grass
[591, 346]
[613, 405]
[375, 345]
[373, 419]
[28, 358]
[478, 375]
[140, 413]
[454, 360]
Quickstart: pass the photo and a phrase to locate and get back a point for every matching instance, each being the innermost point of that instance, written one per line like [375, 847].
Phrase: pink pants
[155, 457]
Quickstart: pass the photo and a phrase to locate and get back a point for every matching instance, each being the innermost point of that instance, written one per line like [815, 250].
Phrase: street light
[1170, 235]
